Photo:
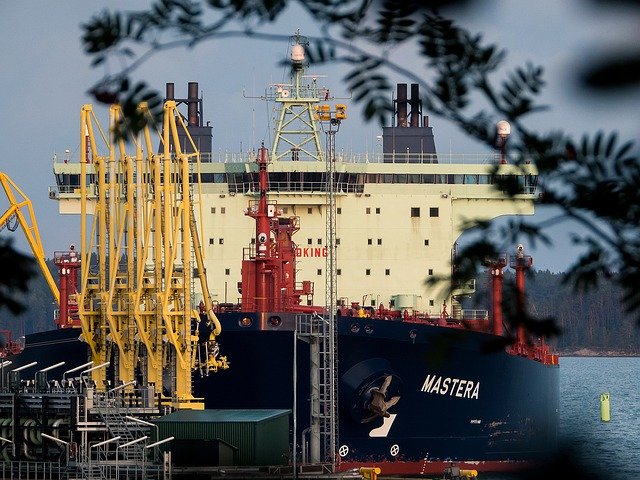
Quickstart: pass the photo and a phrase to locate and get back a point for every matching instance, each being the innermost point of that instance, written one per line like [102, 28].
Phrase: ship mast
[330, 122]
[297, 135]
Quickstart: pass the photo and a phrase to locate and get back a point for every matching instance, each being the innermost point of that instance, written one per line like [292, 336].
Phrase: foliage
[15, 279]
[594, 180]
[38, 306]
[590, 321]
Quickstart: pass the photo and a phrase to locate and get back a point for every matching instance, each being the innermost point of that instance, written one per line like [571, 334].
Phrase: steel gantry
[139, 247]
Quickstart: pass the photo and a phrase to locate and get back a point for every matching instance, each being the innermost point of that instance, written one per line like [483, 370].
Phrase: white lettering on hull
[454, 387]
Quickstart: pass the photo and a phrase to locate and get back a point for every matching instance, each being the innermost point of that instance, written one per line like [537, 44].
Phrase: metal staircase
[130, 458]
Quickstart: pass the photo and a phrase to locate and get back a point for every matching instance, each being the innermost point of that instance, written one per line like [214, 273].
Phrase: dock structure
[64, 430]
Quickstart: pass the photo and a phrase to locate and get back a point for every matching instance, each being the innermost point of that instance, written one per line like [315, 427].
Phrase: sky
[45, 77]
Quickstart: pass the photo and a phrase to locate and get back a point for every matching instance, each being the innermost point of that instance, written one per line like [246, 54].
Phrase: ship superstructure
[398, 214]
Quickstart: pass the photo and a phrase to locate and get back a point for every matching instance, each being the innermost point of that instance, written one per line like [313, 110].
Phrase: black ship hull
[458, 403]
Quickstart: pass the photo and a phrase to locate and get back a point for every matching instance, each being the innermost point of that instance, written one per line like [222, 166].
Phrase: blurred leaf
[614, 71]
[14, 279]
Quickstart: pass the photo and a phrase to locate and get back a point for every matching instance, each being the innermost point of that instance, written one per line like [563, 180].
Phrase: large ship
[383, 370]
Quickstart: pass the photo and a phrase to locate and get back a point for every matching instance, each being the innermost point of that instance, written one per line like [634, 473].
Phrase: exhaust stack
[416, 105]
[192, 102]
[401, 105]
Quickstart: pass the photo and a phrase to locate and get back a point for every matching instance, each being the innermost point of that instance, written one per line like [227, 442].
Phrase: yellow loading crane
[139, 247]
[18, 203]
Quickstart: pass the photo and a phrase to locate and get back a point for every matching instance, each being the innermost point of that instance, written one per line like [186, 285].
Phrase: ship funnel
[416, 105]
[192, 100]
[401, 105]
[170, 92]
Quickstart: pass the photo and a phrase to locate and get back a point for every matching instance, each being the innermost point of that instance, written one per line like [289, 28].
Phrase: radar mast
[297, 135]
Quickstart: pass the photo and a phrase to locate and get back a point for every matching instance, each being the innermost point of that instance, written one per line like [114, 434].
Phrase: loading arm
[17, 202]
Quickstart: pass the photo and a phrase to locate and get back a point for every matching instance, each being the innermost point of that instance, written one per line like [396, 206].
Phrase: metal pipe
[95, 368]
[192, 100]
[120, 387]
[415, 105]
[114, 439]
[160, 442]
[59, 364]
[54, 439]
[401, 105]
[24, 367]
[140, 421]
[497, 281]
[132, 442]
[170, 91]
[75, 369]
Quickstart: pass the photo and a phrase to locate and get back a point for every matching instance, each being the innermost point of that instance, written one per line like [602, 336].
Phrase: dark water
[611, 449]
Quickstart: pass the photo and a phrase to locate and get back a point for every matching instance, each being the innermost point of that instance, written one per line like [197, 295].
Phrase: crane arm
[18, 202]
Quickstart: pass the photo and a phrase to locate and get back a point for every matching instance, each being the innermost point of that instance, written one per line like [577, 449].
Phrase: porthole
[275, 321]
[245, 322]
[355, 328]
[368, 328]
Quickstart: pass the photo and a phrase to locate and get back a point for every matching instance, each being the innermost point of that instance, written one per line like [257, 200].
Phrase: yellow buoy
[605, 414]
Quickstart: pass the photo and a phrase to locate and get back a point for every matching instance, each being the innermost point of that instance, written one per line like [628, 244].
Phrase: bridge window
[415, 212]
[434, 212]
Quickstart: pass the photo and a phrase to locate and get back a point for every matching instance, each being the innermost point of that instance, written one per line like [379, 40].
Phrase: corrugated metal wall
[261, 437]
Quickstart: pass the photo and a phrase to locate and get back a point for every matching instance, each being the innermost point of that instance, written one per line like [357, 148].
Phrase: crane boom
[18, 202]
